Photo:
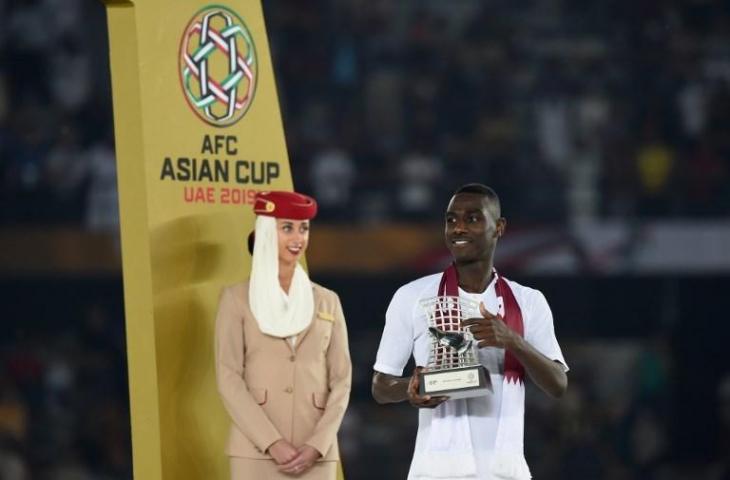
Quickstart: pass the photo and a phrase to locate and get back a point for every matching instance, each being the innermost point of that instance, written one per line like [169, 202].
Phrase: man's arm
[396, 345]
[548, 374]
[391, 389]
[491, 331]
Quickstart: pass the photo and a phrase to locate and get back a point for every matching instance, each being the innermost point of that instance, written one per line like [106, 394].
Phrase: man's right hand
[426, 401]
[282, 451]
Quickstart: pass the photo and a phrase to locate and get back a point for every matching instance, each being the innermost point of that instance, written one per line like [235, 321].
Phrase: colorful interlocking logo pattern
[218, 66]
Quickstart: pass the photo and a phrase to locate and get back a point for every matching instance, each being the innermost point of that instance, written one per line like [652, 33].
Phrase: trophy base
[462, 382]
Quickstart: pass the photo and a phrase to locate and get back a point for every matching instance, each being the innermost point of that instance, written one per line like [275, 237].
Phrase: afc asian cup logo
[218, 66]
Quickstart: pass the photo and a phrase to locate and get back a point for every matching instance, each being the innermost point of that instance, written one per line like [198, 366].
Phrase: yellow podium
[198, 132]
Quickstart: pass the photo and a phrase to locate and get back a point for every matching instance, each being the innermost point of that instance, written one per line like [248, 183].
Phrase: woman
[282, 360]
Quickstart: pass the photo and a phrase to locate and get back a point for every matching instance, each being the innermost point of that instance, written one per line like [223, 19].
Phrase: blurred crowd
[64, 405]
[571, 110]
[57, 163]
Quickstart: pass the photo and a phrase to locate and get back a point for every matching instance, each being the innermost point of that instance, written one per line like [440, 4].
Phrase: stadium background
[604, 126]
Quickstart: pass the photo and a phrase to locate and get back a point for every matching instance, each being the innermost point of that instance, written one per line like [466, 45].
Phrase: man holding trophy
[473, 335]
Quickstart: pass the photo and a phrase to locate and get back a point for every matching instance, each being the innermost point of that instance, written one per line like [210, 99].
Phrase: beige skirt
[252, 469]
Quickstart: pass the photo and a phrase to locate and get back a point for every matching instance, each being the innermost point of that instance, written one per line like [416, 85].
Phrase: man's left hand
[489, 329]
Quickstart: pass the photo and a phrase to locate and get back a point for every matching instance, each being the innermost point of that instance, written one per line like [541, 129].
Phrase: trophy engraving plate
[457, 383]
[439, 381]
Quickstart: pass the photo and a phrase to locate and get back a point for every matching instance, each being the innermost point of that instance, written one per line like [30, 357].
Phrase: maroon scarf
[449, 286]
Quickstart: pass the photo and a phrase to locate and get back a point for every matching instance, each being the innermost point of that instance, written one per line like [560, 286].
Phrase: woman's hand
[302, 462]
[282, 451]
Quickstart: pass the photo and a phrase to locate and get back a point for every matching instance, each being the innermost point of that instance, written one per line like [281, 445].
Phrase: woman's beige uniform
[274, 390]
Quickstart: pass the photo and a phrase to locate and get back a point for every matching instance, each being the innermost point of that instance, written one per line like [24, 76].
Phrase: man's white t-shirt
[406, 334]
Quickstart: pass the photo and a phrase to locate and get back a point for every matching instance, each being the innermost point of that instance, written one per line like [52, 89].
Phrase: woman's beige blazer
[273, 390]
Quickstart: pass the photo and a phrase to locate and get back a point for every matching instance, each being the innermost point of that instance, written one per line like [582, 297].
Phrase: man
[479, 437]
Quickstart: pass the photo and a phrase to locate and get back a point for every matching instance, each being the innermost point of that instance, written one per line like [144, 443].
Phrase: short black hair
[483, 190]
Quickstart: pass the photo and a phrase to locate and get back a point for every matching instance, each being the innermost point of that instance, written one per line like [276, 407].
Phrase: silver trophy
[453, 367]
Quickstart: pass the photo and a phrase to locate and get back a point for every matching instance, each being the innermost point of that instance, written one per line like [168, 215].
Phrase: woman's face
[293, 238]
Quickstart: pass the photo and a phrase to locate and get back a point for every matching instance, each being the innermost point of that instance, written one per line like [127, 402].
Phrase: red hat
[281, 204]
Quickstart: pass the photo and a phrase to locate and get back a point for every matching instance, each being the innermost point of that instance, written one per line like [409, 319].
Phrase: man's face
[471, 230]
